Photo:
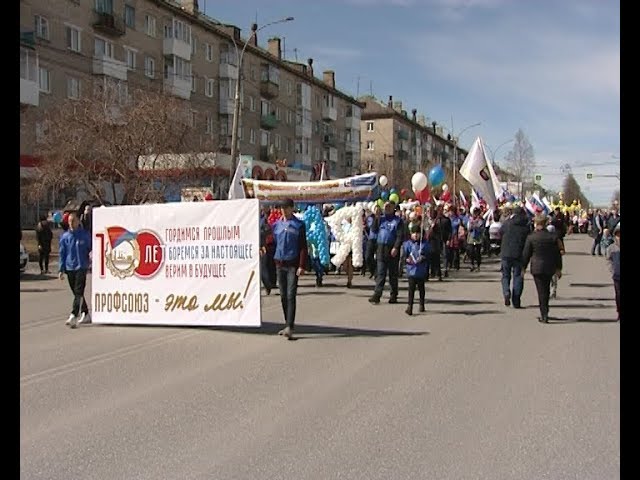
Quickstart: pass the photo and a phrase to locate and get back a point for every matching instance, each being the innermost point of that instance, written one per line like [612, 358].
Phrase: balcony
[329, 113]
[269, 89]
[329, 139]
[226, 106]
[352, 123]
[403, 135]
[268, 122]
[29, 89]
[28, 39]
[103, 65]
[228, 70]
[179, 87]
[352, 146]
[108, 23]
[177, 47]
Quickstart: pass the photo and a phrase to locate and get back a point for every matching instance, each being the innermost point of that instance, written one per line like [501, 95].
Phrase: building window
[252, 104]
[369, 126]
[150, 25]
[149, 67]
[209, 128]
[289, 87]
[240, 133]
[252, 72]
[130, 16]
[316, 154]
[104, 6]
[73, 88]
[252, 137]
[370, 145]
[42, 27]
[193, 119]
[103, 48]
[276, 141]
[73, 38]
[194, 83]
[208, 87]
[278, 113]
[44, 80]
[130, 58]
[194, 45]
[208, 48]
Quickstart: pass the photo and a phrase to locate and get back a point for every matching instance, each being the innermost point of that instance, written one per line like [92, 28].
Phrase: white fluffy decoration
[350, 241]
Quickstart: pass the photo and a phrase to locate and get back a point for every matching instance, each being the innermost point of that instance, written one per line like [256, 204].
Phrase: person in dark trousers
[475, 229]
[514, 232]
[372, 239]
[597, 228]
[44, 237]
[613, 259]
[542, 250]
[267, 250]
[389, 231]
[290, 258]
[559, 222]
[416, 252]
[74, 251]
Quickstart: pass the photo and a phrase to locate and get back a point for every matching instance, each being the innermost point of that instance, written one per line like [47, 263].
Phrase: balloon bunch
[316, 233]
[274, 216]
[350, 239]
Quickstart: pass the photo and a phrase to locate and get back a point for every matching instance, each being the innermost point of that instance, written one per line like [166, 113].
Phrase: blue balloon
[436, 176]
[392, 191]
[316, 233]
[384, 195]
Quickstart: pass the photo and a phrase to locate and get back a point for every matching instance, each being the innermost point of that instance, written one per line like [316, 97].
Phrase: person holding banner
[74, 252]
[290, 258]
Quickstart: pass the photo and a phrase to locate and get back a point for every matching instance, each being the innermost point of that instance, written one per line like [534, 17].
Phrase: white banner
[192, 263]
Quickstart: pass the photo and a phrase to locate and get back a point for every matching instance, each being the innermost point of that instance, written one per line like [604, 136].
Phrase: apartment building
[398, 145]
[290, 120]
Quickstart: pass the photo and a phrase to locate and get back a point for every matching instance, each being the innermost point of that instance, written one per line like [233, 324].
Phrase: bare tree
[95, 144]
[616, 196]
[521, 160]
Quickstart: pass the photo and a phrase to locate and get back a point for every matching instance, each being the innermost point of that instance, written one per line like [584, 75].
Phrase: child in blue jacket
[417, 254]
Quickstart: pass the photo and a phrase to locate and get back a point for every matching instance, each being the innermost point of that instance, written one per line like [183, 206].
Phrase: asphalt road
[471, 389]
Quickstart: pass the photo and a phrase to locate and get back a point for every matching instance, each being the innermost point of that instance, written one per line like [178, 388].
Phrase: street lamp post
[236, 105]
[455, 154]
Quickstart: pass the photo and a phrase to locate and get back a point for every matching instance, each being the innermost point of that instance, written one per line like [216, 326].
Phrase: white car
[24, 258]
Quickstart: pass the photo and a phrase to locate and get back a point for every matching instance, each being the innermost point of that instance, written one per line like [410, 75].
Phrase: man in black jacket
[514, 232]
[543, 251]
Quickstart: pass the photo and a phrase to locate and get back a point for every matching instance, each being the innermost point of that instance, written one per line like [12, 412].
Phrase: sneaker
[375, 300]
[74, 322]
[84, 318]
[281, 332]
[288, 333]
[70, 319]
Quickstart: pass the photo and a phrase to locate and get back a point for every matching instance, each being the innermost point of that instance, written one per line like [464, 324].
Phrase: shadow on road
[592, 285]
[464, 312]
[587, 306]
[35, 277]
[459, 301]
[561, 320]
[592, 299]
[34, 290]
[577, 253]
[320, 291]
[270, 328]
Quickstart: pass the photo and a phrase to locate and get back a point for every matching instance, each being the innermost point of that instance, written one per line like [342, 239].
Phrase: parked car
[24, 258]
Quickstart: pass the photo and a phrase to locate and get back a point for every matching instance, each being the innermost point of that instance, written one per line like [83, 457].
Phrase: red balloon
[446, 196]
[208, 197]
[423, 196]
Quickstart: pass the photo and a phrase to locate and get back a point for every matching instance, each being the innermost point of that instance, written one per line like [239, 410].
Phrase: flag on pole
[463, 199]
[322, 172]
[475, 199]
[235, 189]
[479, 173]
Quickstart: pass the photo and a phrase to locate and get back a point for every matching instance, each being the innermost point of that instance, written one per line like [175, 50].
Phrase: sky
[550, 68]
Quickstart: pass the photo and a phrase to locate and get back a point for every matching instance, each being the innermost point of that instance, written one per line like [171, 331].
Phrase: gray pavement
[471, 389]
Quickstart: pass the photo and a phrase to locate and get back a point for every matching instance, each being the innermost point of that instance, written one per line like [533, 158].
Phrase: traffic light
[537, 178]
[589, 176]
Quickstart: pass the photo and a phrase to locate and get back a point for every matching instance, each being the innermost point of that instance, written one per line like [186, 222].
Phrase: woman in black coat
[44, 236]
[543, 251]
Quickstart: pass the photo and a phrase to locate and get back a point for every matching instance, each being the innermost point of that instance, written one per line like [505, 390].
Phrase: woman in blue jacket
[75, 246]
[416, 251]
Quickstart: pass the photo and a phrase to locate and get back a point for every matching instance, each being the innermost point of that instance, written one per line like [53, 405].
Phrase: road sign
[589, 176]
[537, 178]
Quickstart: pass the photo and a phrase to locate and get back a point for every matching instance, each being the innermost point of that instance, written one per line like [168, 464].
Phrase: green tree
[521, 160]
[572, 191]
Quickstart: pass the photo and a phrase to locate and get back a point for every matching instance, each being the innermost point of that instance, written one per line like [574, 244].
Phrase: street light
[493, 152]
[455, 153]
[236, 105]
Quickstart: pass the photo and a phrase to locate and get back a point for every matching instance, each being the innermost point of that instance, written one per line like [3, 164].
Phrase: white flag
[235, 189]
[478, 172]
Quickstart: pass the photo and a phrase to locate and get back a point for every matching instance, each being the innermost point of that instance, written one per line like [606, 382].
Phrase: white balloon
[383, 181]
[418, 181]
[349, 241]
[445, 187]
